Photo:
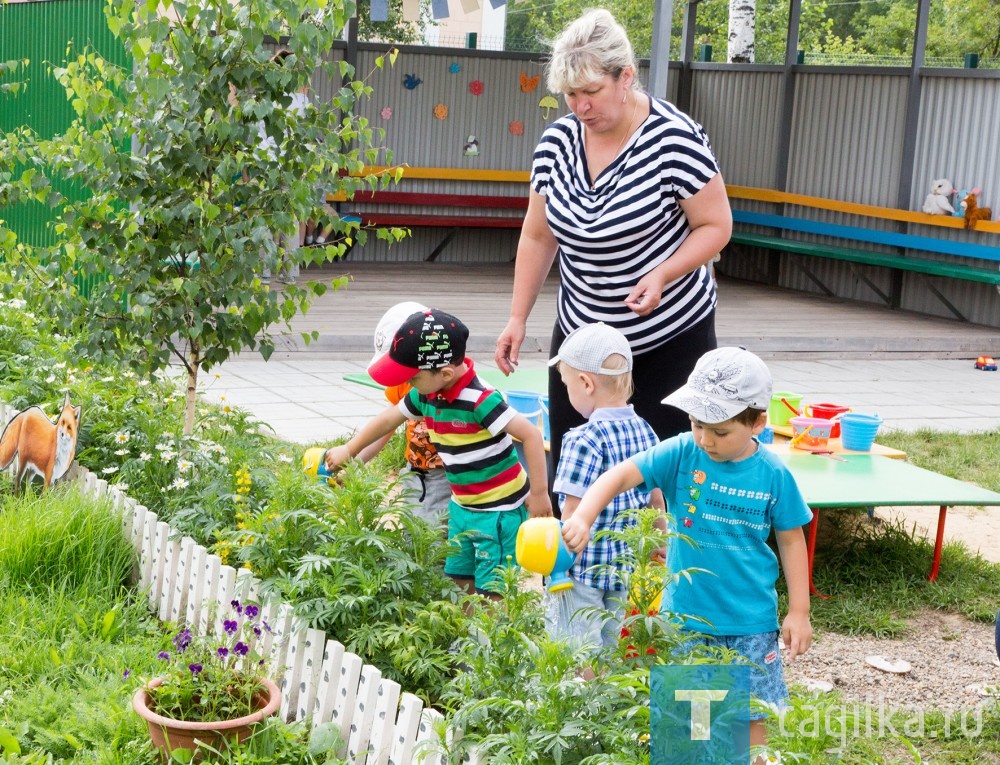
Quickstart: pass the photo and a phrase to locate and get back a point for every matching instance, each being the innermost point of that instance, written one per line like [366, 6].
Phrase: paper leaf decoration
[528, 84]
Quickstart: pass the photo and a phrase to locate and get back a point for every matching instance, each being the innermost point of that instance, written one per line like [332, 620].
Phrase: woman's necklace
[628, 128]
[628, 132]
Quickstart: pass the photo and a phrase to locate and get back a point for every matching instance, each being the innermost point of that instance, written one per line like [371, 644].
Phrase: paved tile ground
[307, 401]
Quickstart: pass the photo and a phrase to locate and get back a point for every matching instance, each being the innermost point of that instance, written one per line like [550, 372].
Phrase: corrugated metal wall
[847, 130]
[741, 110]
[41, 33]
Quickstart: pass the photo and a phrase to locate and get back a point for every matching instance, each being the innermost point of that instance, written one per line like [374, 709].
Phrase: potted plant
[213, 689]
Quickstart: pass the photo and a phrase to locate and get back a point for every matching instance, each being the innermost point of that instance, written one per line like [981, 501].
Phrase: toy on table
[971, 210]
[986, 364]
[827, 411]
[938, 202]
[541, 550]
[810, 433]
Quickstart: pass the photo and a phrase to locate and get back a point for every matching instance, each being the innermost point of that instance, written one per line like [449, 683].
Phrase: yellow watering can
[540, 549]
[314, 464]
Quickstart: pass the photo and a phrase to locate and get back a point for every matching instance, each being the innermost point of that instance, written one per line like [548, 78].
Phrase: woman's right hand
[509, 346]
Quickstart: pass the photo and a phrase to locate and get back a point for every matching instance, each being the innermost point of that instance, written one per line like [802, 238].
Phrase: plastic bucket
[779, 413]
[527, 403]
[827, 411]
[810, 432]
[546, 431]
[858, 431]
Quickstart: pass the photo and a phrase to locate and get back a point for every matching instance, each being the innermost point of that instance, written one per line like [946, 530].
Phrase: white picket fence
[321, 681]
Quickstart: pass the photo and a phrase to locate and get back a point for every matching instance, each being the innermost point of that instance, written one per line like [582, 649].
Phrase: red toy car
[986, 363]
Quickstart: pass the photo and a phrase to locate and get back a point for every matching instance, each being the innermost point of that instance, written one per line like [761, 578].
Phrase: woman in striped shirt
[626, 191]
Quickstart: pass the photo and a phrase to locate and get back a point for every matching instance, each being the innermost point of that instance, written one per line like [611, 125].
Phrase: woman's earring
[624, 96]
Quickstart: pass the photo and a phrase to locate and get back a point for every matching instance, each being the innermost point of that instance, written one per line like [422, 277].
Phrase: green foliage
[524, 697]
[184, 200]
[830, 29]
[398, 30]
[878, 575]
[61, 539]
[9, 68]
[369, 573]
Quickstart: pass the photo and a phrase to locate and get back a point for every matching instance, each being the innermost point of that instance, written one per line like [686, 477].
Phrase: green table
[862, 480]
[534, 380]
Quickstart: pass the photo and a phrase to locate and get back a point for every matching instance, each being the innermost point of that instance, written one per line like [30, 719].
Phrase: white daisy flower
[110, 469]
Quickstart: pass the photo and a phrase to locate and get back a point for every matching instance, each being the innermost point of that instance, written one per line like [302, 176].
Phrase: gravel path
[952, 660]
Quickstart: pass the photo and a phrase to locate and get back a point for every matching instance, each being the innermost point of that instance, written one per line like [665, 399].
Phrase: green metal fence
[46, 33]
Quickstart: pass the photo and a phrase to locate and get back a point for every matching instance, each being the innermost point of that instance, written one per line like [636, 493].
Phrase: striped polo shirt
[615, 228]
[466, 425]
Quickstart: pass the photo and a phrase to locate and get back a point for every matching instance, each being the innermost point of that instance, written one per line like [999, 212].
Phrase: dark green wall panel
[43, 33]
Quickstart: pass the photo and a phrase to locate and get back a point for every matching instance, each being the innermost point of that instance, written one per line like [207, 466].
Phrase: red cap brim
[387, 372]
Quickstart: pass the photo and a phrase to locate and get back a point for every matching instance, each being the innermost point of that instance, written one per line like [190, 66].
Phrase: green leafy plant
[208, 678]
[368, 572]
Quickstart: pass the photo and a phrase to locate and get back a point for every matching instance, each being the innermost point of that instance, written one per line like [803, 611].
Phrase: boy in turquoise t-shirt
[727, 493]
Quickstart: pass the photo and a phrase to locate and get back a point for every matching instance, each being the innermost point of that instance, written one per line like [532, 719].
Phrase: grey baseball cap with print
[724, 383]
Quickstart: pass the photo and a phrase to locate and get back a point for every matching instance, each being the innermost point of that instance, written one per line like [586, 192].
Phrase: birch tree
[740, 49]
[184, 207]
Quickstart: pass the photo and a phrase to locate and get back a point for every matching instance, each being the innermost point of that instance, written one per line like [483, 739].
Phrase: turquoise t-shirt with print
[728, 509]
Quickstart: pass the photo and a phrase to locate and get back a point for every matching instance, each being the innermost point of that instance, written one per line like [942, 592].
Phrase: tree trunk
[741, 31]
[191, 394]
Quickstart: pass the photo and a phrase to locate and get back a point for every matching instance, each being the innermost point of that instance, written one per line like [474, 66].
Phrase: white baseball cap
[587, 348]
[390, 322]
[724, 383]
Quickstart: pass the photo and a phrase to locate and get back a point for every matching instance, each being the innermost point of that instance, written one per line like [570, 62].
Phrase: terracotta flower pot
[168, 734]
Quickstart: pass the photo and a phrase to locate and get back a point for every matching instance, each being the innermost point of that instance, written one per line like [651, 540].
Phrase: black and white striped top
[626, 222]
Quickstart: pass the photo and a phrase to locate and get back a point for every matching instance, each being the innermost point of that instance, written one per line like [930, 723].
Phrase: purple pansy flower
[183, 639]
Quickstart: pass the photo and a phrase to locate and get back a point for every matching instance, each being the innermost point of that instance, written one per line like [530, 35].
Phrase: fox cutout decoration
[43, 448]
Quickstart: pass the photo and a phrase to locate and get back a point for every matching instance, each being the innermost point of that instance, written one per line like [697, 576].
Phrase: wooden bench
[416, 208]
[871, 246]
[445, 207]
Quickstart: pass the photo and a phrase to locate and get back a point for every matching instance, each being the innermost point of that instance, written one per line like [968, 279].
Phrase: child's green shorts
[485, 540]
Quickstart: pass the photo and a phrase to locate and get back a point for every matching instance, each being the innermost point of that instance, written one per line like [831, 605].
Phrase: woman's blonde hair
[592, 46]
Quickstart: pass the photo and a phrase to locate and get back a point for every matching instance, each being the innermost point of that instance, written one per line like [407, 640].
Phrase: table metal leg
[938, 543]
[811, 552]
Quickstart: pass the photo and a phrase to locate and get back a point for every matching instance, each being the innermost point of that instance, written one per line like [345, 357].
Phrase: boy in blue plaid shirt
[595, 363]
